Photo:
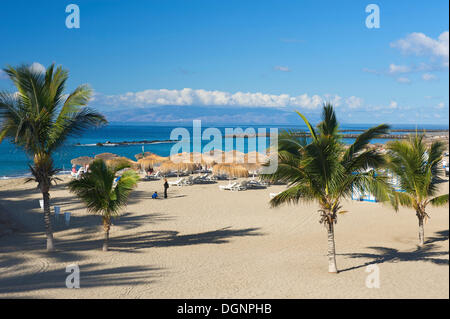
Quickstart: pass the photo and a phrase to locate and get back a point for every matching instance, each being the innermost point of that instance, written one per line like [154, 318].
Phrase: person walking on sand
[166, 186]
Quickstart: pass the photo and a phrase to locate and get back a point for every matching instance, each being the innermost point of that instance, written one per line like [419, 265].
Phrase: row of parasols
[232, 163]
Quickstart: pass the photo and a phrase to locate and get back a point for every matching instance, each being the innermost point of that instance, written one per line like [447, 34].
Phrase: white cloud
[282, 68]
[429, 77]
[191, 97]
[396, 69]
[37, 67]
[419, 44]
[354, 102]
[393, 105]
[3, 75]
[403, 80]
[440, 105]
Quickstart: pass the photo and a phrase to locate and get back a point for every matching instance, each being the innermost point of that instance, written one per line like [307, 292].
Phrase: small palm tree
[102, 194]
[39, 117]
[418, 169]
[326, 172]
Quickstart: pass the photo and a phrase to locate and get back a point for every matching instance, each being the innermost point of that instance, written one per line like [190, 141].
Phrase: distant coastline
[109, 143]
[428, 133]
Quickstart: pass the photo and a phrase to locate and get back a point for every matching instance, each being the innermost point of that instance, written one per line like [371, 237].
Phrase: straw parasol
[151, 160]
[119, 161]
[233, 157]
[169, 166]
[230, 169]
[212, 157]
[186, 157]
[106, 156]
[255, 157]
[82, 161]
[147, 155]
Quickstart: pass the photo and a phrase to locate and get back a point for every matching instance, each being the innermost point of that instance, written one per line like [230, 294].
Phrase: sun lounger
[153, 177]
[228, 187]
[222, 177]
[77, 175]
[188, 181]
[242, 186]
[178, 182]
[253, 184]
[272, 195]
[203, 179]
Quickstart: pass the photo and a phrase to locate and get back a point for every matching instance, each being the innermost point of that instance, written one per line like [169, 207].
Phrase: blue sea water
[14, 162]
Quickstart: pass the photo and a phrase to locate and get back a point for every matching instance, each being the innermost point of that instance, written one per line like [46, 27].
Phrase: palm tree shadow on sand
[91, 275]
[162, 238]
[427, 253]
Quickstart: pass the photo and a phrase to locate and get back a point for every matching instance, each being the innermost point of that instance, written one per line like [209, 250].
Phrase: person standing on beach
[166, 186]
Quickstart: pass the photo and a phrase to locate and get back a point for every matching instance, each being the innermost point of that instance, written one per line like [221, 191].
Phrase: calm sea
[14, 162]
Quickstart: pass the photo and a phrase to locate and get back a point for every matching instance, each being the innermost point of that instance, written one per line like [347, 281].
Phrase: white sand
[207, 243]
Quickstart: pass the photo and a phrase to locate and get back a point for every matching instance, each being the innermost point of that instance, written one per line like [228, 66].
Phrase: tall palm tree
[418, 169]
[323, 170]
[102, 194]
[39, 117]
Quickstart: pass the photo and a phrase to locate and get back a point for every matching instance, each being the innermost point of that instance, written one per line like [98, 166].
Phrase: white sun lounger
[242, 186]
[179, 182]
[78, 173]
[228, 187]
[153, 177]
[256, 184]
[203, 179]
[188, 181]
[272, 195]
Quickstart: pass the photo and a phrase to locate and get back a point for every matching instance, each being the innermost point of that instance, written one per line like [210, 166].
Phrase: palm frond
[329, 125]
[310, 127]
[293, 195]
[97, 190]
[439, 200]
[364, 139]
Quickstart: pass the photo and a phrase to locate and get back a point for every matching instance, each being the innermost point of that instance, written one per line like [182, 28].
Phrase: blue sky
[243, 61]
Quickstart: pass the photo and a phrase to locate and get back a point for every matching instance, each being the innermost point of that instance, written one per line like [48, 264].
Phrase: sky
[241, 61]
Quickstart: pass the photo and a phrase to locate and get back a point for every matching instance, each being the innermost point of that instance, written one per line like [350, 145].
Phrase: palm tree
[326, 172]
[102, 194]
[39, 117]
[418, 170]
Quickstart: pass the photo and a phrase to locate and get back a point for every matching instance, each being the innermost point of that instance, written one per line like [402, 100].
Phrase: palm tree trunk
[421, 229]
[331, 249]
[106, 227]
[48, 223]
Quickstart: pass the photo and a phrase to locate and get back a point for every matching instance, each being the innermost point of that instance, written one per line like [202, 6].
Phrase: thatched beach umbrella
[148, 155]
[186, 157]
[106, 156]
[120, 161]
[233, 157]
[255, 157]
[231, 170]
[142, 155]
[212, 157]
[150, 161]
[169, 166]
[82, 161]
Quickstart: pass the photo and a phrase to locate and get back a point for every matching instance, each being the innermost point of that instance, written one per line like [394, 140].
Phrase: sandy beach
[202, 242]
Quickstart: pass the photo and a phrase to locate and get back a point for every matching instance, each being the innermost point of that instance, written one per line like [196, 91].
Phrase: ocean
[14, 162]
